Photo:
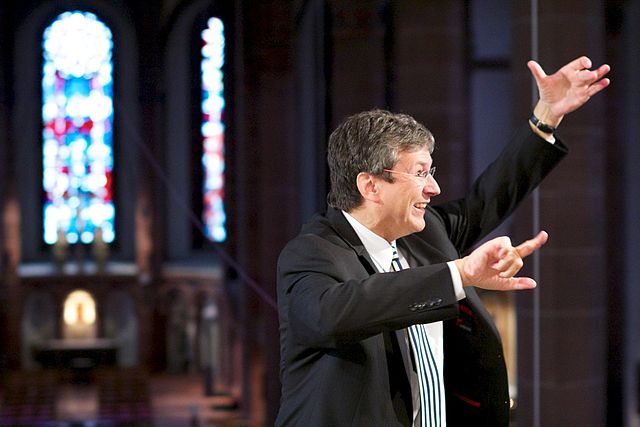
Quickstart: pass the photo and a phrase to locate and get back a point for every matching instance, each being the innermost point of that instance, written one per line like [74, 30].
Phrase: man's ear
[368, 186]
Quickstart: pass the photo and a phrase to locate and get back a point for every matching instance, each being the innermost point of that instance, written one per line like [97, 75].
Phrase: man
[379, 323]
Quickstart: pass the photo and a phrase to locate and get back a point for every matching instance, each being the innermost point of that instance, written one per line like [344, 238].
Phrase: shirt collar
[380, 250]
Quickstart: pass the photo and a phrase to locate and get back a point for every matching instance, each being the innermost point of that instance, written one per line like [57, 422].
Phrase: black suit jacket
[336, 310]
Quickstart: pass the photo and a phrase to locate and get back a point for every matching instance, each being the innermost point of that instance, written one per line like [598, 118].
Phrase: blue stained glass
[77, 114]
[213, 129]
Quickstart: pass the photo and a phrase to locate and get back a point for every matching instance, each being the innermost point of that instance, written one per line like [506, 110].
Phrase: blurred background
[155, 156]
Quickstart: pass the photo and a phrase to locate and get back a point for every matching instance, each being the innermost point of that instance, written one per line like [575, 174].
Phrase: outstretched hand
[494, 264]
[567, 89]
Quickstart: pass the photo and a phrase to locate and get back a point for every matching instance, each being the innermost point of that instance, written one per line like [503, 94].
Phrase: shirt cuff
[549, 137]
[458, 289]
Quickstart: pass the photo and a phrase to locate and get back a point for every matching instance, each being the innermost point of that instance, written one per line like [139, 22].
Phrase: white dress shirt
[381, 253]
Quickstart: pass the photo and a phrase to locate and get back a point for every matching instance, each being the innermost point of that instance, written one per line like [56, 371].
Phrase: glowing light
[212, 128]
[77, 114]
[79, 308]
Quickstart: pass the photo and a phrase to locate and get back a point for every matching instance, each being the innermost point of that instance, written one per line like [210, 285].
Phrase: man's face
[403, 202]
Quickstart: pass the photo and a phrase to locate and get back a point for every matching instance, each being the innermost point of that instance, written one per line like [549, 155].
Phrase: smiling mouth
[422, 205]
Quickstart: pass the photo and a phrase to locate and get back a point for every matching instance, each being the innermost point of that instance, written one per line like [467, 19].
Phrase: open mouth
[422, 205]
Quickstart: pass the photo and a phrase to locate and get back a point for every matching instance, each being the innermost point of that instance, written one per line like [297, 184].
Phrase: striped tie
[428, 376]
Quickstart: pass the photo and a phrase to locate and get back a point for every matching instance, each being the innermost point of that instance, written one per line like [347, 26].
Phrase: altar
[76, 354]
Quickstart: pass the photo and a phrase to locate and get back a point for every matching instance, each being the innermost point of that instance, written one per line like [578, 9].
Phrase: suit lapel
[396, 348]
[342, 227]
[418, 252]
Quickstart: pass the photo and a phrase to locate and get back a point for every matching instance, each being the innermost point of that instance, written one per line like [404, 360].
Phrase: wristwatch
[542, 126]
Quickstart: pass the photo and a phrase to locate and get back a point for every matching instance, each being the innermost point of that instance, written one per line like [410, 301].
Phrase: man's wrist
[549, 137]
[458, 288]
[459, 263]
[544, 127]
[545, 115]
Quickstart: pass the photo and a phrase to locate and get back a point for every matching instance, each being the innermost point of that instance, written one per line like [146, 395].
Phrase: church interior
[155, 157]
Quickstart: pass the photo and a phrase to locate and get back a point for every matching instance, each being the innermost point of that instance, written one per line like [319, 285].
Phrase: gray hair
[369, 142]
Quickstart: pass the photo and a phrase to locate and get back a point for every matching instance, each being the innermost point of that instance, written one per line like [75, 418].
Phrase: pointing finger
[527, 248]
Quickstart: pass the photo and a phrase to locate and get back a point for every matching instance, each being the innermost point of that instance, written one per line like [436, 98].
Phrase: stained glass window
[77, 114]
[213, 130]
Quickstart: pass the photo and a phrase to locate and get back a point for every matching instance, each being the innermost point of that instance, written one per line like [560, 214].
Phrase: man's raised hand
[567, 89]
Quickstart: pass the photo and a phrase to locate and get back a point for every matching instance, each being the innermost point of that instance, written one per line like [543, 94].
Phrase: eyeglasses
[423, 175]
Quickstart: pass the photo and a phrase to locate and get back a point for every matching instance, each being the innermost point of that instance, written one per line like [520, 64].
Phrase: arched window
[77, 114]
[79, 315]
[198, 134]
[213, 130]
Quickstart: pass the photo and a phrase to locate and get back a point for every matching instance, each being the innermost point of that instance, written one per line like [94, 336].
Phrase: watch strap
[540, 125]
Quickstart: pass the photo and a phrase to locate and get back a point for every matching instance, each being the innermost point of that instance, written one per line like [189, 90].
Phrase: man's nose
[431, 187]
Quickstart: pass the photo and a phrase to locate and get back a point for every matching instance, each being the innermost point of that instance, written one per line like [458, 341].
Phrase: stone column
[572, 282]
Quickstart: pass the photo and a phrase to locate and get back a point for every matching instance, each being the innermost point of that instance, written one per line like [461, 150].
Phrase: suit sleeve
[520, 168]
[327, 295]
